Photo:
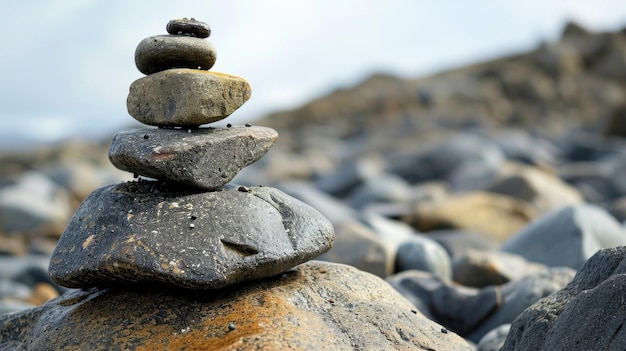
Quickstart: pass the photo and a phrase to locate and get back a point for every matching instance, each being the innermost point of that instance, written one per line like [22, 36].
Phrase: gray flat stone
[186, 97]
[144, 232]
[161, 52]
[205, 158]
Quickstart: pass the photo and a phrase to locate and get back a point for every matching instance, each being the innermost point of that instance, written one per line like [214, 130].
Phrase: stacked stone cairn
[187, 261]
[186, 225]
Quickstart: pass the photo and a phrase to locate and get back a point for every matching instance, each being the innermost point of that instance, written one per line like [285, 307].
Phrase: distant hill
[578, 81]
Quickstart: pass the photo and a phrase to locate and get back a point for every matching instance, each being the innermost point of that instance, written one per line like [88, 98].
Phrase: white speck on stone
[154, 232]
[185, 330]
[191, 225]
[173, 205]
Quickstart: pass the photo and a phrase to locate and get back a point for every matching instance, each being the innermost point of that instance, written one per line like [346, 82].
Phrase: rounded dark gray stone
[188, 26]
[145, 232]
[205, 158]
[161, 52]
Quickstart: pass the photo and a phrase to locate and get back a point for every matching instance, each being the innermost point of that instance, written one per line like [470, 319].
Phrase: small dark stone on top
[190, 27]
[229, 125]
[231, 326]
[248, 125]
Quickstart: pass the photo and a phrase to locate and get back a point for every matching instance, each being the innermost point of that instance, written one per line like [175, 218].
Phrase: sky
[66, 65]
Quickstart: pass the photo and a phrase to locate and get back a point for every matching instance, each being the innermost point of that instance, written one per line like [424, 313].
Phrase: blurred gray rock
[473, 312]
[359, 246]
[494, 340]
[518, 295]
[332, 208]
[442, 160]
[421, 253]
[349, 176]
[567, 237]
[483, 268]
[458, 242]
[34, 205]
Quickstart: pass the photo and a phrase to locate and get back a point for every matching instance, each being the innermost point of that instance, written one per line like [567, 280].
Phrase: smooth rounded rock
[188, 26]
[567, 237]
[145, 232]
[186, 97]
[161, 52]
[205, 158]
[316, 306]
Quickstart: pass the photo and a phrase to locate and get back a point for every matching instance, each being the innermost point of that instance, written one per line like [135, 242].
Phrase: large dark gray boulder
[145, 232]
[588, 314]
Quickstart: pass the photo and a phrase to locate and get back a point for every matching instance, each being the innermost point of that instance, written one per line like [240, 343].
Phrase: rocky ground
[490, 197]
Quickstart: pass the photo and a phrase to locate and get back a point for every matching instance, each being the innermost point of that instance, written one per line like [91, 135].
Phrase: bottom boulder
[315, 306]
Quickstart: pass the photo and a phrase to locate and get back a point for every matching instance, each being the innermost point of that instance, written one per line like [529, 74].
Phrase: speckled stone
[188, 26]
[186, 97]
[160, 52]
[147, 232]
[205, 158]
[316, 306]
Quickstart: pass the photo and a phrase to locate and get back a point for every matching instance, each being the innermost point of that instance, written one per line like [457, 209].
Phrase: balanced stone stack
[186, 226]
[187, 261]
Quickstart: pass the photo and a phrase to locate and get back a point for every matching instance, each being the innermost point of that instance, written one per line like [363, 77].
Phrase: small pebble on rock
[231, 326]
[190, 27]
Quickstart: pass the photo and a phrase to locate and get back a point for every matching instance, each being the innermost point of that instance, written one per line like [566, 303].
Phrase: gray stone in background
[205, 158]
[494, 340]
[588, 314]
[359, 246]
[160, 52]
[34, 205]
[567, 237]
[421, 253]
[316, 306]
[335, 210]
[143, 232]
[473, 312]
[186, 97]
[458, 242]
[442, 160]
[456, 307]
[520, 294]
[479, 268]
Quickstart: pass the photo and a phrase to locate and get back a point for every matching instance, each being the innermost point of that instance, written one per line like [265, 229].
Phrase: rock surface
[474, 312]
[161, 52]
[316, 306]
[492, 215]
[186, 97]
[588, 314]
[567, 237]
[483, 268]
[188, 26]
[143, 232]
[206, 158]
